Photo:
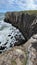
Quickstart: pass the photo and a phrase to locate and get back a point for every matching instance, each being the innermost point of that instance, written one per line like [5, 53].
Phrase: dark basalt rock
[2, 48]
[0, 52]
[9, 35]
[5, 43]
[19, 42]
[0, 42]
[26, 23]
[10, 45]
[34, 44]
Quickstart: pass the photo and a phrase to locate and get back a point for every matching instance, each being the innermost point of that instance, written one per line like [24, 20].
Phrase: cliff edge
[26, 23]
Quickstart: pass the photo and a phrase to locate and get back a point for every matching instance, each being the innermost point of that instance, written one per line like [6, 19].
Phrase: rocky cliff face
[25, 22]
[26, 54]
[32, 51]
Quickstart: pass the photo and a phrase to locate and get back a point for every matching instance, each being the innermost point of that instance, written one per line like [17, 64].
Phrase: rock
[14, 56]
[32, 51]
[9, 35]
[32, 56]
[20, 39]
[19, 42]
[6, 43]
[26, 54]
[26, 23]
[2, 47]
[0, 42]
[35, 36]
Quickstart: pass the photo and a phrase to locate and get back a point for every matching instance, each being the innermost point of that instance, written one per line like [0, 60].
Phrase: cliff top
[26, 11]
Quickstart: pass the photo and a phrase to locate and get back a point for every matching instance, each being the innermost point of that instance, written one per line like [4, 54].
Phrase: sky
[17, 5]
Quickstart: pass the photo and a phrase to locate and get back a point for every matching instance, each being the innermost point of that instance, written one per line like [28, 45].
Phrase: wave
[9, 35]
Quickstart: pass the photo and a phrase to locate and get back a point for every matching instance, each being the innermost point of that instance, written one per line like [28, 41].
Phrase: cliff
[26, 54]
[26, 23]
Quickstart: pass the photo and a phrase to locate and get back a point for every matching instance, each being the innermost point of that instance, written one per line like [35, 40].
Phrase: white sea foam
[6, 32]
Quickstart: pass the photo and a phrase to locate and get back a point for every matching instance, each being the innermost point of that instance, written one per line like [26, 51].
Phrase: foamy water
[8, 35]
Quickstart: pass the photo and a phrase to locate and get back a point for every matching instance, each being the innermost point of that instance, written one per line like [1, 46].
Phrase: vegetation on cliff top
[27, 11]
[30, 11]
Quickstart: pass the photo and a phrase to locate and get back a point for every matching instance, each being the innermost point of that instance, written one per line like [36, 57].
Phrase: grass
[27, 11]
[30, 11]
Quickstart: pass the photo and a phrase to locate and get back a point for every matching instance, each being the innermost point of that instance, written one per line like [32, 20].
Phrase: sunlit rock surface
[32, 51]
[14, 56]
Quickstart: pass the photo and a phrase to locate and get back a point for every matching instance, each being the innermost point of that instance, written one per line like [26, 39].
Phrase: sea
[8, 34]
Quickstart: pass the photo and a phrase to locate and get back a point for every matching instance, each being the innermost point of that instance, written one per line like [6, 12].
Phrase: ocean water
[8, 35]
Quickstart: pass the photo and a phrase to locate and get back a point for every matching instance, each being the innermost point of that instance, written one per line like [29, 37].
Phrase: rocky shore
[26, 54]
[22, 54]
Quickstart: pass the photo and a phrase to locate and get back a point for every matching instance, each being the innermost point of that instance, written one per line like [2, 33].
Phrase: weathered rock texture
[14, 56]
[25, 54]
[28, 26]
[25, 22]
[31, 47]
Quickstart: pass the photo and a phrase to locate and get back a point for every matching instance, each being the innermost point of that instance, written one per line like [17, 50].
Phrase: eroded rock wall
[25, 22]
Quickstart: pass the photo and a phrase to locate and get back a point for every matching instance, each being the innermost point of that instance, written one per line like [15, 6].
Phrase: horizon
[16, 5]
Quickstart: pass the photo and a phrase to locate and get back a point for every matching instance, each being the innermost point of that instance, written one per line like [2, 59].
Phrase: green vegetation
[25, 11]
[13, 62]
[28, 11]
